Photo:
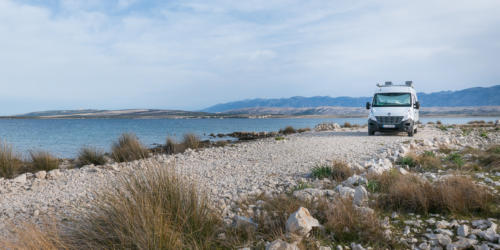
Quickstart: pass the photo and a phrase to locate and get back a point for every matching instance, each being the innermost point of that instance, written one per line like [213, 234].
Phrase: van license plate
[389, 126]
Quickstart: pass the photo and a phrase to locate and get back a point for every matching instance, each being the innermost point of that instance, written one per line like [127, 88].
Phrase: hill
[479, 96]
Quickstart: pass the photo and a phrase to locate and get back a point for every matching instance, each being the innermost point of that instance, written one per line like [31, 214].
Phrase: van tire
[371, 132]
[411, 132]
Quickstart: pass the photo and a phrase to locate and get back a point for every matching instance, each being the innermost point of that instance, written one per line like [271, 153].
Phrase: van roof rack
[390, 84]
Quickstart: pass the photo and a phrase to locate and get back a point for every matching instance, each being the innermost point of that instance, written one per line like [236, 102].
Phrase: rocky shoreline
[234, 175]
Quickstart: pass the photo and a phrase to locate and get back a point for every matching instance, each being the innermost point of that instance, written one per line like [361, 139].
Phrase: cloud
[191, 54]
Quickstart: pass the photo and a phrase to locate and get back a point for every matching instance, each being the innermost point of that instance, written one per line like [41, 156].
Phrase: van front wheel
[371, 132]
[411, 131]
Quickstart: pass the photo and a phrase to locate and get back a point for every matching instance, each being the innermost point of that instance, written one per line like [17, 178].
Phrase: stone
[301, 222]
[53, 174]
[462, 243]
[41, 174]
[355, 180]
[407, 230]
[244, 222]
[355, 246]
[324, 248]
[281, 245]
[442, 239]
[21, 179]
[463, 230]
[345, 191]
[360, 196]
[442, 224]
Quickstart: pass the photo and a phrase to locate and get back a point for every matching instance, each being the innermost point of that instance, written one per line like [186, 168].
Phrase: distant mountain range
[479, 96]
[468, 102]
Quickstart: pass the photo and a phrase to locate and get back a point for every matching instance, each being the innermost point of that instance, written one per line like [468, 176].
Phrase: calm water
[66, 136]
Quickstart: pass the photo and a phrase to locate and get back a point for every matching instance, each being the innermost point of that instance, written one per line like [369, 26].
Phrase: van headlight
[407, 116]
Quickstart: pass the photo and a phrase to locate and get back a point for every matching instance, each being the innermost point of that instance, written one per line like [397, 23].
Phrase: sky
[191, 54]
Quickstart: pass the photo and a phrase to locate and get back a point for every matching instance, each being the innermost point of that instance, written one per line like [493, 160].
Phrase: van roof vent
[389, 84]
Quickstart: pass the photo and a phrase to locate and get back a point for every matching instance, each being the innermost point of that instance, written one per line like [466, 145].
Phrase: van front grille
[389, 119]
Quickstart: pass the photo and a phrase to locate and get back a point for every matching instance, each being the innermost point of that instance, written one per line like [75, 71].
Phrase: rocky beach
[239, 178]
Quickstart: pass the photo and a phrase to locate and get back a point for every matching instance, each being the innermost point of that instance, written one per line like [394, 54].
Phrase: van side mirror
[417, 105]
[368, 106]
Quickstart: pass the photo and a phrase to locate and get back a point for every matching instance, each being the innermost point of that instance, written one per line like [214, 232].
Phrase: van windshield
[392, 100]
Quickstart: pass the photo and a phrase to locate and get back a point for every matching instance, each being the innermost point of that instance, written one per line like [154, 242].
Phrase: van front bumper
[405, 126]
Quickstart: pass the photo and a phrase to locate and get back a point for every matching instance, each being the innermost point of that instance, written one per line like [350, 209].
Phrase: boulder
[40, 174]
[301, 222]
[281, 245]
[21, 179]
[53, 174]
[345, 191]
[360, 196]
[463, 230]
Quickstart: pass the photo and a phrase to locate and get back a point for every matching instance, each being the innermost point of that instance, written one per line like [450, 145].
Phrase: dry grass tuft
[152, 209]
[459, 194]
[288, 130]
[31, 237]
[128, 148]
[191, 141]
[10, 163]
[347, 125]
[349, 224]
[302, 130]
[91, 155]
[410, 193]
[338, 171]
[41, 160]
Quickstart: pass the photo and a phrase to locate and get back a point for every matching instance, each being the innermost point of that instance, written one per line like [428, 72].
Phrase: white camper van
[394, 108]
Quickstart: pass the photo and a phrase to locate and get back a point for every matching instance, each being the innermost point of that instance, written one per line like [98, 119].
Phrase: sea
[65, 137]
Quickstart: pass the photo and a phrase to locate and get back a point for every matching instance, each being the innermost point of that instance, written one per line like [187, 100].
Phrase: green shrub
[347, 125]
[408, 160]
[484, 134]
[91, 155]
[279, 138]
[10, 164]
[128, 148]
[338, 171]
[456, 159]
[41, 160]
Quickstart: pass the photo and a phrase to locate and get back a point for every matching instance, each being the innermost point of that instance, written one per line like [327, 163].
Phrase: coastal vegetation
[128, 148]
[10, 163]
[90, 155]
[42, 160]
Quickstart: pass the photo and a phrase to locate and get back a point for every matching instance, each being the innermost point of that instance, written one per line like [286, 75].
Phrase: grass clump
[349, 224]
[288, 130]
[279, 138]
[347, 125]
[191, 141]
[409, 160]
[450, 195]
[154, 209]
[90, 155]
[10, 164]
[455, 159]
[42, 160]
[30, 236]
[128, 148]
[302, 130]
[338, 171]
[484, 134]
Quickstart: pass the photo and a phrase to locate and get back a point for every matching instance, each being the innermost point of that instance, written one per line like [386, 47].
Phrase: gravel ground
[227, 173]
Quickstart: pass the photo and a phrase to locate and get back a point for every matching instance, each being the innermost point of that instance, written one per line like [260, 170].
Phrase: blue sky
[115, 54]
